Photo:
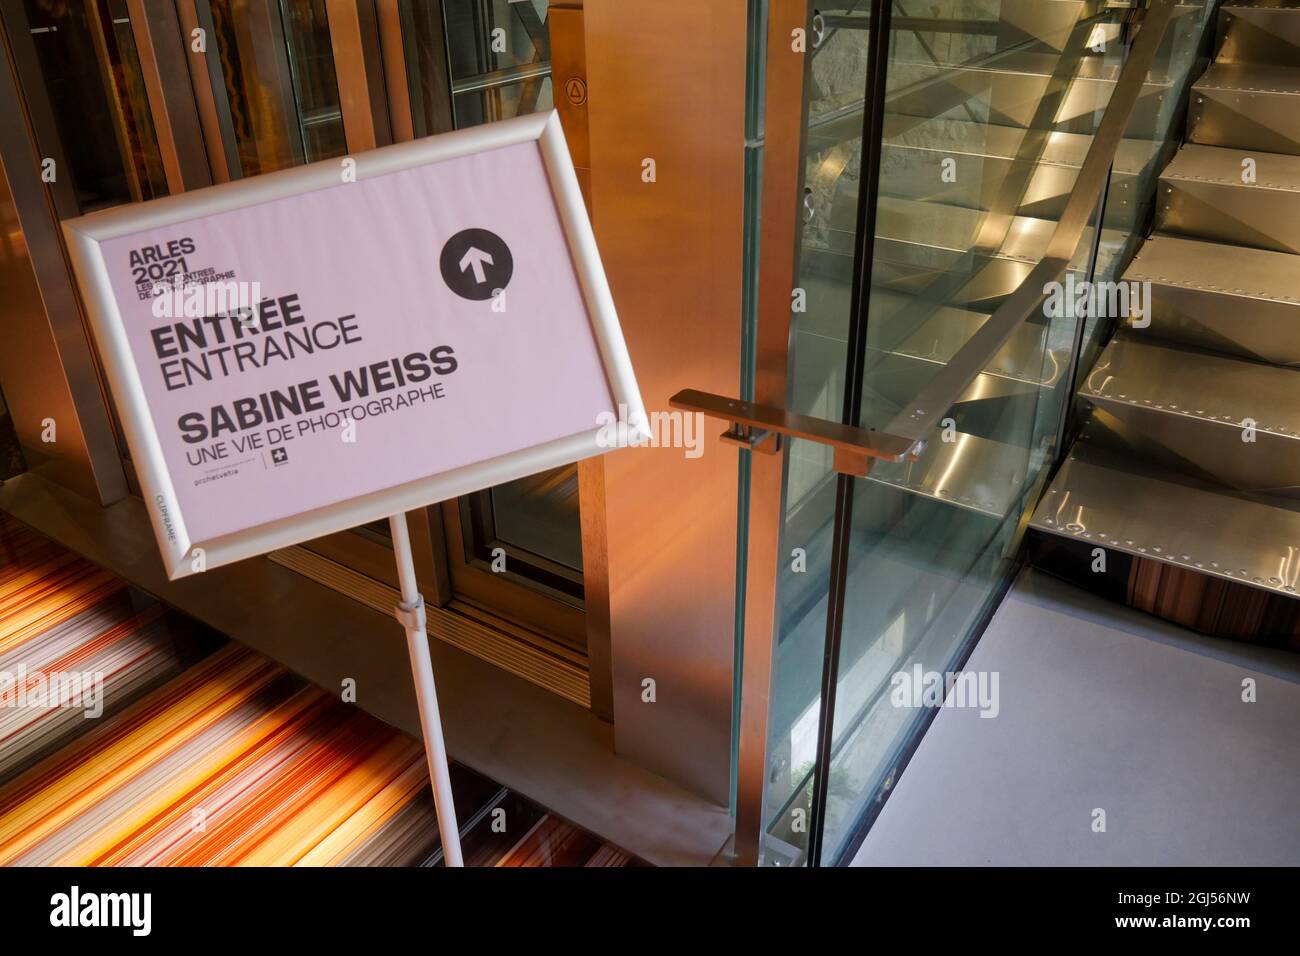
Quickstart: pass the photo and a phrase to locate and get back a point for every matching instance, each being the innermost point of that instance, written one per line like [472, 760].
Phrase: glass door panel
[984, 128]
[279, 98]
[540, 514]
[500, 59]
[105, 129]
[475, 61]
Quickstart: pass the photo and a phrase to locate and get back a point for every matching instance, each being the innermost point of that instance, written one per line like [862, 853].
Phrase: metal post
[410, 611]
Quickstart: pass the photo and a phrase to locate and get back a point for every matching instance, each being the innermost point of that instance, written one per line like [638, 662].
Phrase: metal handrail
[915, 421]
[907, 434]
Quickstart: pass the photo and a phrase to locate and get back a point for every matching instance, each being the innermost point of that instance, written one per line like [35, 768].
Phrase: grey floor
[1104, 708]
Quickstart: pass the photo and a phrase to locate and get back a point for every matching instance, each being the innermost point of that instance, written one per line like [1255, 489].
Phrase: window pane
[89, 68]
[279, 82]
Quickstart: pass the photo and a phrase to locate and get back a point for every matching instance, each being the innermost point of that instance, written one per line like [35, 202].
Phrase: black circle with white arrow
[476, 264]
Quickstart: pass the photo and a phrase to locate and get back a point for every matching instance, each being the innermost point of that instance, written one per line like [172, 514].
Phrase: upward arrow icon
[474, 259]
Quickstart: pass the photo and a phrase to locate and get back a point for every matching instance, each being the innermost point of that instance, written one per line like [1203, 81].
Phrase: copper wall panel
[666, 82]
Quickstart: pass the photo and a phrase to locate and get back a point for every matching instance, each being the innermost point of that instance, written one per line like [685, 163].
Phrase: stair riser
[1210, 450]
[1264, 330]
[911, 173]
[1245, 119]
[1243, 215]
[1008, 23]
[1259, 35]
[985, 37]
[1011, 99]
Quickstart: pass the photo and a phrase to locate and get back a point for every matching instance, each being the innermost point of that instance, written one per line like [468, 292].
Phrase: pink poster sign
[299, 353]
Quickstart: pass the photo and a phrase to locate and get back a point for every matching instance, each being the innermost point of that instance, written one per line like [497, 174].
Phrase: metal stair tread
[962, 137]
[1171, 380]
[1241, 271]
[1033, 63]
[1223, 165]
[1154, 514]
[952, 230]
[1289, 5]
[1250, 78]
[972, 473]
[939, 337]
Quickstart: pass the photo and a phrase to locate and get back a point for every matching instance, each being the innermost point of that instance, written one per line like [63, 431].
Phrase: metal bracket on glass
[752, 439]
[762, 428]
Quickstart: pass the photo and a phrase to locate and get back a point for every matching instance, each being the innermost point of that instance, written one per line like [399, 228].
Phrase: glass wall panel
[985, 135]
[1149, 143]
[990, 107]
[819, 348]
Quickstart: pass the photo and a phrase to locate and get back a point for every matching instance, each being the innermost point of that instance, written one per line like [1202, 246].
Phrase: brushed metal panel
[1197, 408]
[1229, 299]
[667, 83]
[1012, 90]
[942, 334]
[1202, 194]
[913, 234]
[1246, 107]
[1259, 32]
[972, 473]
[48, 366]
[1211, 531]
[1009, 22]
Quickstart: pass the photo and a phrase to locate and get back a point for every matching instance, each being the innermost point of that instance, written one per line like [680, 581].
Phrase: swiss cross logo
[279, 456]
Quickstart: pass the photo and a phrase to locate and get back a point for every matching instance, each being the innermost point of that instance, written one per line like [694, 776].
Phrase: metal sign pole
[410, 611]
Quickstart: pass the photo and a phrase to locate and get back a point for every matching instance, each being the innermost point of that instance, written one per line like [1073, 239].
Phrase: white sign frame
[183, 556]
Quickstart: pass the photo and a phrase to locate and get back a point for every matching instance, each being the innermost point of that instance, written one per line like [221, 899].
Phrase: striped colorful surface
[207, 754]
